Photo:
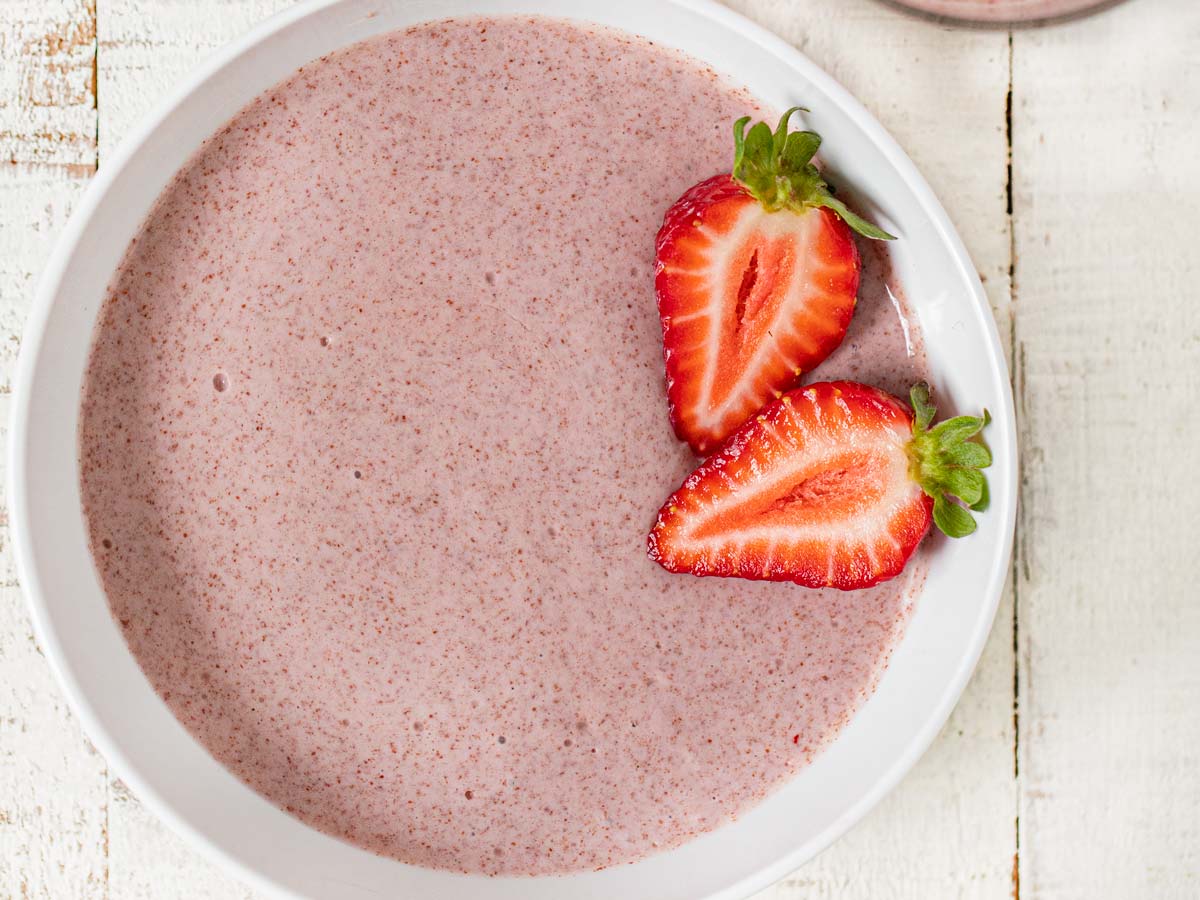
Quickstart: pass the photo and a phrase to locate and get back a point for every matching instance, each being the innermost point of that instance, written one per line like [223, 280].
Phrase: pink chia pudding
[373, 430]
[1002, 10]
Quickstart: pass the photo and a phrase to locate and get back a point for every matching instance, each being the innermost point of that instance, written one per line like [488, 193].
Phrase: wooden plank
[53, 805]
[949, 829]
[47, 84]
[147, 46]
[147, 861]
[1106, 176]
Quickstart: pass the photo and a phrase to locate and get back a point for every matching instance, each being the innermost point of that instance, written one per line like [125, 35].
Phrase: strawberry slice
[834, 484]
[757, 275]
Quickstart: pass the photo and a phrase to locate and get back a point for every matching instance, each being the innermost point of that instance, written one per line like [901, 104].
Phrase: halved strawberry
[834, 484]
[757, 275]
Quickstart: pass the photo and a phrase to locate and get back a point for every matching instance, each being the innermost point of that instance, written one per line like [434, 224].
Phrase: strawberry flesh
[816, 489]
[748, 299]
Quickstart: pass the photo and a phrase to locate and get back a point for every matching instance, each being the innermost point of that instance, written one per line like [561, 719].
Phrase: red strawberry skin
[748, 300]
[816, 490]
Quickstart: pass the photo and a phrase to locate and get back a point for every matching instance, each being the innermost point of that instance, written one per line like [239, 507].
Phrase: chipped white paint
[47, 98]
[1104, 165]
[146, 46]
[1107, 178]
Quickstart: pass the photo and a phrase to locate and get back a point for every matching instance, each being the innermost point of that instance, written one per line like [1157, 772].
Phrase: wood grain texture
[147, 46]
[53, 810]
[47, 84]
[148, 861]
[1107, 182]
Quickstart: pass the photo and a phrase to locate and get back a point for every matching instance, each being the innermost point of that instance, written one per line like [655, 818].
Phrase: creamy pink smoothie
[1002, 10]
[373, 431]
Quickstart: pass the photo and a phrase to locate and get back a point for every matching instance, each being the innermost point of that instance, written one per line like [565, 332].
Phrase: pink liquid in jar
[1000, 11]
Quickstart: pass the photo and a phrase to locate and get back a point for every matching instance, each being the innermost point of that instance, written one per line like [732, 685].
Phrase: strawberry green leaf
[922, 408]
[956, 430]
[753, 155]
[739, 140]
[985, 498]
[777, 168]
[969, 454]
[947, 464]
[965, 484]
[857, 222]
[800, 148]
[781, 130]
[952, 519]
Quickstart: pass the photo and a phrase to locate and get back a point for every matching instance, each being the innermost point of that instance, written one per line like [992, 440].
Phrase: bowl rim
[49, 287]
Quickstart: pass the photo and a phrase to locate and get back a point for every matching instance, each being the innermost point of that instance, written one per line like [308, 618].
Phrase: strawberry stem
[946, 463]
[777, 168]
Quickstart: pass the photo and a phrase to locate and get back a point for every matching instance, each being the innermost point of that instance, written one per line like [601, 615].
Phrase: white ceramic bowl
[176, 777]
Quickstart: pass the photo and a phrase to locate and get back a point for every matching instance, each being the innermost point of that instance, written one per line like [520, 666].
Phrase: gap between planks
[1014, 375]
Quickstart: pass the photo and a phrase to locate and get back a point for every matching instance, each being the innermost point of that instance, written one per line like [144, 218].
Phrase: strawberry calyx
[777, 168]
[946, 463]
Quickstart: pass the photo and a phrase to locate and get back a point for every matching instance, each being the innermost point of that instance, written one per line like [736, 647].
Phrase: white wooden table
[1069, 158]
